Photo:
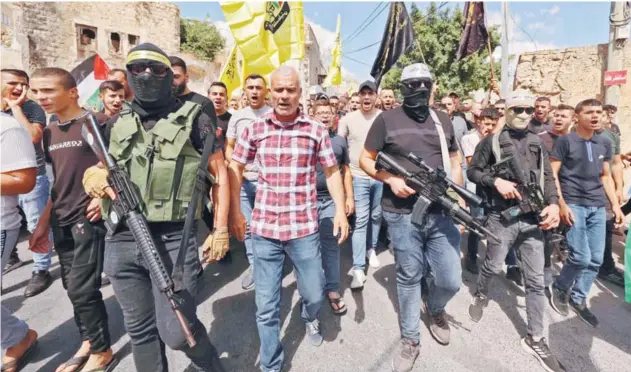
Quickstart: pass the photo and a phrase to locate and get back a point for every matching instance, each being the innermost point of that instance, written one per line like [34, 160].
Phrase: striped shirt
[286, 155]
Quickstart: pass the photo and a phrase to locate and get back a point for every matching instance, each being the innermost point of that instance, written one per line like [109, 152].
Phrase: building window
[132, 40]
[86, 41]
[115, 42]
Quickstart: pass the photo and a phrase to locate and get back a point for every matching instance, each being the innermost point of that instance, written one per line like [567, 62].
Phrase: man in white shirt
[367, 191]
[19, 170]
[255, 91]
[485, 122]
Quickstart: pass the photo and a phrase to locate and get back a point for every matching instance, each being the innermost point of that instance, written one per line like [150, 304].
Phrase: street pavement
[361, 341]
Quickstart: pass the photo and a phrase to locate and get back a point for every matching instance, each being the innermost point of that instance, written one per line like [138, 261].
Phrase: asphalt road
[362, 340]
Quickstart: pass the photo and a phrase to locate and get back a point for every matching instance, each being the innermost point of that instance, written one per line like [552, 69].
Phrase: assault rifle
[531, 194]
[431, 186]
[126, 209]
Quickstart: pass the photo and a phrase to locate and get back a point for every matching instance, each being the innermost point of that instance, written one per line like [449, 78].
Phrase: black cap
[368, 84]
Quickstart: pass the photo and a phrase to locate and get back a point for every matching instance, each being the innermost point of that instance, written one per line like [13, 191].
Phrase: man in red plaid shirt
[286, 145]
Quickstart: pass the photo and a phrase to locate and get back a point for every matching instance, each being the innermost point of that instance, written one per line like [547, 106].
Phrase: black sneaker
[472, 266]
[39, 282]
[542, 352]
[584, 313]
[559, 301]
[476, 309]
[404, 357]
[14, 262]
[514, 274]
[612, 276]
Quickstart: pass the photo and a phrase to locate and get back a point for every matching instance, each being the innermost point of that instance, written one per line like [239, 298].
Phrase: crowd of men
[293, 180]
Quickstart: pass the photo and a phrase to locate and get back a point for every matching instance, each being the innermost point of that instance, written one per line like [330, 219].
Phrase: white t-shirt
[469, 142]
[16, 152]
[238, 121]
[355, 127]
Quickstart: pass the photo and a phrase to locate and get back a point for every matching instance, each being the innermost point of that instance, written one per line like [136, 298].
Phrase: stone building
[62, 34]
[572, 75]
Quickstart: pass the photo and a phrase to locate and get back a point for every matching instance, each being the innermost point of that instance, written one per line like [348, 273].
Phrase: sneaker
[373, 261]
[14, 263]
[559, 301]
[542, 352]
[584, 313]
[39, 282]
[359, 278]
[612, 276]
[439, 328]
[248, 279]
[404, 357]
[105, 281]
[472, 266]
[476, 309]
[313, 333]
[514, 274]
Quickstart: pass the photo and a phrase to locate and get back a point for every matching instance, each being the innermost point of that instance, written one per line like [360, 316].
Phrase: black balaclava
[416, 93]
[152, 94]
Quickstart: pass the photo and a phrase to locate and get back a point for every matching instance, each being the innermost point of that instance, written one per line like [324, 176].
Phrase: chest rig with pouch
[161, 162]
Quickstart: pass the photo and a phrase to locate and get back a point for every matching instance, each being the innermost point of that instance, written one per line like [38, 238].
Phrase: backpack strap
[444, 149]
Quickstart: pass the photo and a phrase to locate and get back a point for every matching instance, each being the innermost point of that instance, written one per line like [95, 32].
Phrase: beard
[178, 89]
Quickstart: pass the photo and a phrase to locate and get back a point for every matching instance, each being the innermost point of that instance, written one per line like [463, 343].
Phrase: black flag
[397, 38]
[474, 33]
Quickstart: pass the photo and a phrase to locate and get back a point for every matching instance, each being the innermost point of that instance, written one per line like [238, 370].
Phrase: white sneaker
[359, 278]
[373, 261]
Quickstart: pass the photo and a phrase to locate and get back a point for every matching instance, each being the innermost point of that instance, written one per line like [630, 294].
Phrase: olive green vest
[162, 163]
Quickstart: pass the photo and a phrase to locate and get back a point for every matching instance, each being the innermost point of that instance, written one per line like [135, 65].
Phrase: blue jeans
[269, 256]
[434, 247]
[248, 195]
[330, 250]
[586, 239]
[367, 208]
[33, 205]
[13, 329]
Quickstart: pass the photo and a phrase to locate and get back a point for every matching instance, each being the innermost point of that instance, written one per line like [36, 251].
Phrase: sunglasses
[159, 70]
[417, 84]
[520, 110]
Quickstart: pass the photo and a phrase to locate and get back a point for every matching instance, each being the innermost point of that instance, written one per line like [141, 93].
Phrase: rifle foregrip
[140, 230]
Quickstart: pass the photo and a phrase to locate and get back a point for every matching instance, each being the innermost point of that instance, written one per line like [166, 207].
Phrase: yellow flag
[230, 73]
[267, 33]
[334, 76]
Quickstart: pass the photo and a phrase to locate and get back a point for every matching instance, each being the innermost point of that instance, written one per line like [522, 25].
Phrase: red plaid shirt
[286, 154]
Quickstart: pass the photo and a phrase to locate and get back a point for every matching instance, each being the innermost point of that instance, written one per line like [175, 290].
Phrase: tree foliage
[438, 34]
[200, 38]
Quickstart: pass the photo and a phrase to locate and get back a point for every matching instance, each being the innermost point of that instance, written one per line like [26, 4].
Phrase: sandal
[108, 368]
[18, 364]
[338, 306]
[79, 362]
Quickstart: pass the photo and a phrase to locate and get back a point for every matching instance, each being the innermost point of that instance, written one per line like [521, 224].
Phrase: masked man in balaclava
[159, 142]
[521, 230]
[418, 250]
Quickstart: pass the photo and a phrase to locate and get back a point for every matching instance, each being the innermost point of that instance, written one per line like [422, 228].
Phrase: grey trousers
[530, 249]
[13, 329]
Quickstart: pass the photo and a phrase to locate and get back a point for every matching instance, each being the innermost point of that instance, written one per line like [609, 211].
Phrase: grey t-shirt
[239, 120]
[35, 114]
[16, 152]
[460, 129]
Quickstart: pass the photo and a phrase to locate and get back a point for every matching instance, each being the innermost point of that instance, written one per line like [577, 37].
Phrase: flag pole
[421, 51]
[488, 44]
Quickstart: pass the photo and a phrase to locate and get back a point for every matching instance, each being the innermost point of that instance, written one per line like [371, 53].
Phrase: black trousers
[80, 248]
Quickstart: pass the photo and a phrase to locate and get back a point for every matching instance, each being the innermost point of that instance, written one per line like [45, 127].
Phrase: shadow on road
[62, 342]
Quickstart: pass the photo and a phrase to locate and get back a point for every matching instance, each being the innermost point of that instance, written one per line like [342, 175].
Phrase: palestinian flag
[89, 76]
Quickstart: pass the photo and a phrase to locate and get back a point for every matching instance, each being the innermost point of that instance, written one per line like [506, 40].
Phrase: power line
[357, 61]
[368, 24]
[522, 30]
[366, 47]
[364, 21]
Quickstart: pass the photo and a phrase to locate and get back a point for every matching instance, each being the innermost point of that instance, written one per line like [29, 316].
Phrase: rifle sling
[198, 187]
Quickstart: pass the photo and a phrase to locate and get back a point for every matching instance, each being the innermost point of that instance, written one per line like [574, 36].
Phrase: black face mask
[152, 94]
[416, 95]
